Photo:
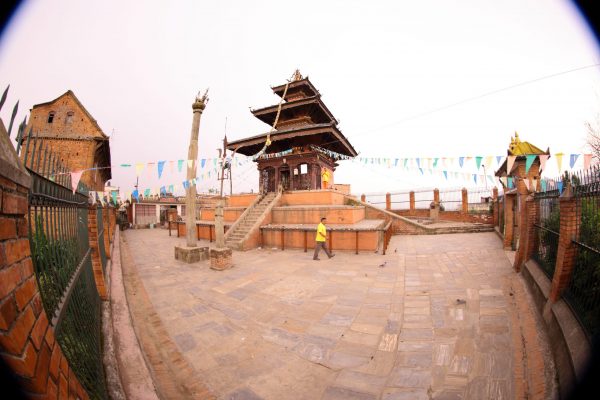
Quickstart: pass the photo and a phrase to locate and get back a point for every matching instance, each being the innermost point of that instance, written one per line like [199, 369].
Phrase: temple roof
[311, 106]
[519, 148]
[326, 135]
[301, 85]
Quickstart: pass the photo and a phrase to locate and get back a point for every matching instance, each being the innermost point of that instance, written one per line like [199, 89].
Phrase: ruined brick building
[72, 134]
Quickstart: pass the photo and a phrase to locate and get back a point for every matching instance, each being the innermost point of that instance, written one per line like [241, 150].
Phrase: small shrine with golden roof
[302, 148]
[523, 162]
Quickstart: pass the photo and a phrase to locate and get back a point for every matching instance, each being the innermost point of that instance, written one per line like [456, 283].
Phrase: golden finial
[297, 75]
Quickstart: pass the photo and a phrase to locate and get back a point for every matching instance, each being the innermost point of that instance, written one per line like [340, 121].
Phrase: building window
[69, 118]
[51, 117]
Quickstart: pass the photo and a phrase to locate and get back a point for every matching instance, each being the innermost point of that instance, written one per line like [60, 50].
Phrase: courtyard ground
[441, 316]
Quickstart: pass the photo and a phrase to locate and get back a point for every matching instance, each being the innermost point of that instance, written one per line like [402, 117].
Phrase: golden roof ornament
[297, 76]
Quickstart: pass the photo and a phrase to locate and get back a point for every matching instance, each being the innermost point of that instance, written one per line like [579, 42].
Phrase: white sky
[137, 66]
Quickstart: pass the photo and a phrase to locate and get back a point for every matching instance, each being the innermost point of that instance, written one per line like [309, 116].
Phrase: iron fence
[547, 229]
[451, 199]
[583, 291]
[58, 235]
[479, 200]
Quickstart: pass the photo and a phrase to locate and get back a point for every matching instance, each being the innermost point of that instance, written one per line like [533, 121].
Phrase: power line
[470, 99]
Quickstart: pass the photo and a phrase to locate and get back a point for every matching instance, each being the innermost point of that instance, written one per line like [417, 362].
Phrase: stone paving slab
[431, 323]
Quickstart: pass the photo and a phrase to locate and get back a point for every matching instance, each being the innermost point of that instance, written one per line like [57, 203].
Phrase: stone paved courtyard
[431, 319]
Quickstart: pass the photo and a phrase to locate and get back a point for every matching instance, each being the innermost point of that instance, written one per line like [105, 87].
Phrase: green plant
[585, 281]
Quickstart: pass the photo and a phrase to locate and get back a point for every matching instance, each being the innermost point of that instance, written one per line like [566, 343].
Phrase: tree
[593, 138]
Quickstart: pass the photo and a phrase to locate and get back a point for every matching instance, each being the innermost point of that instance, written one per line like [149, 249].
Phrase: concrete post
[411, 196]
[436, 196]
[388, 201]
[565, 257]
[190, 200]
[465, 201]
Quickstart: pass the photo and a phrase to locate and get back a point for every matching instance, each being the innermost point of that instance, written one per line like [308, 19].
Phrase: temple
[301, 153]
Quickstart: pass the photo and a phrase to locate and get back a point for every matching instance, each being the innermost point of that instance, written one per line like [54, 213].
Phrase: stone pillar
[219, 224]
[465, 201]
[434, 207]
[567, 250]
[220, 257]
[495, 207]
[388, 201]
[190, 200]
[363, 198]
[411, 196]
[94, 241]
[27, 340]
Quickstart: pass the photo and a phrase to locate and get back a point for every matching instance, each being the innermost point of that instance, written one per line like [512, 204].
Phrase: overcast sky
[137, 66]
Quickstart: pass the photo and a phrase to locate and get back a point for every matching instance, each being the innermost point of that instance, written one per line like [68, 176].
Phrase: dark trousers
[318, 247]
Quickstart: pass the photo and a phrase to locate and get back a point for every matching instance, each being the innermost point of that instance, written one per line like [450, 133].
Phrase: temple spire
[297, 76]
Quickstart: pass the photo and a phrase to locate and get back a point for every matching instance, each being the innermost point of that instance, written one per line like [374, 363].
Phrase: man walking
[320, 240]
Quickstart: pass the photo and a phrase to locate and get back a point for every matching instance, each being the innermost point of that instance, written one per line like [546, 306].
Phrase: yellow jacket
[321, 233]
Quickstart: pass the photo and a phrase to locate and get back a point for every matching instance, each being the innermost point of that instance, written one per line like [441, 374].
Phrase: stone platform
[434, 318]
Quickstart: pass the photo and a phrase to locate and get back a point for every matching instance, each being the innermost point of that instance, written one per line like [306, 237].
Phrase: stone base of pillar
[221, 259]
[191, 254]
[434, 212]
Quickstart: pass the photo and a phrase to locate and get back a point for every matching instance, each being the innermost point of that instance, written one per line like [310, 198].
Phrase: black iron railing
[58, 235]
[583, 291]
[547, 231]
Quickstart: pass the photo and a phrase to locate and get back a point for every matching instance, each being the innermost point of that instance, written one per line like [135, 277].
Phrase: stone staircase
[235, 239]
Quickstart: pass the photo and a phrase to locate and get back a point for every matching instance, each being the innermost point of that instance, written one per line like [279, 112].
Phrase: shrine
[301, 150]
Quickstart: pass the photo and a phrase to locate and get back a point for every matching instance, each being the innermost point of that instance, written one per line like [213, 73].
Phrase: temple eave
[334, 140]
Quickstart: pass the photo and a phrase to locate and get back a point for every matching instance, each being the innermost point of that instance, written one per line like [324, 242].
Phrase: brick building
[70, 131]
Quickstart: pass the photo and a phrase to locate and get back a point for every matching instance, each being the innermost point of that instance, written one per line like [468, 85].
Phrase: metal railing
[547, 230]
[583, 291]
[58, 235]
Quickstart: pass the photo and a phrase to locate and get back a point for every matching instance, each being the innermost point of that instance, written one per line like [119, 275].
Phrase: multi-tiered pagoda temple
[302, 153]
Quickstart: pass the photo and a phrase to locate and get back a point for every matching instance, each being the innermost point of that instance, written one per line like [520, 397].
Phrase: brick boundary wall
[570, 348]
[27, 342]
[94, 242]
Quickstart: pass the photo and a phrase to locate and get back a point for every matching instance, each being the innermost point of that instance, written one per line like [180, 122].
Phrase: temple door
[284, 177]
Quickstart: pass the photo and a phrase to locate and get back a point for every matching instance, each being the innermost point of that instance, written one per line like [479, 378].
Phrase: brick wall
[71, 139]
[94, 241]
[27, 342]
